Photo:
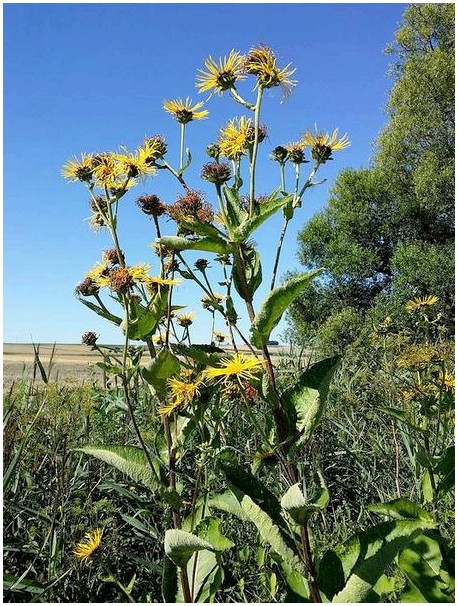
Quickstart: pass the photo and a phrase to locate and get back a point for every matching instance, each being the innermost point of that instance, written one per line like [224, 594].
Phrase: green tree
[388, 230]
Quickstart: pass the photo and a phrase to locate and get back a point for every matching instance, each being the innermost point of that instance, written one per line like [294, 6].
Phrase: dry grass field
[68, 362]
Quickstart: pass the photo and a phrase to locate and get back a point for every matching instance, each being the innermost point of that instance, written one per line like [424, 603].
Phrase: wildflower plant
[198, 387]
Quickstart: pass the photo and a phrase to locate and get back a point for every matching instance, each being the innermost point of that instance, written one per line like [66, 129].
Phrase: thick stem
[277, 256]
[254, 154]
[182, 132]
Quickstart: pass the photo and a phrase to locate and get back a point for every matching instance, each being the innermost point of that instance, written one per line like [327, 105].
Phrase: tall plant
[198, 386]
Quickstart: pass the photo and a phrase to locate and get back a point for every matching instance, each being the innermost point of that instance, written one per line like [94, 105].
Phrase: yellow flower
[78, 170]
[239, 367]
[183, 111]
[99, 270]
[159, 339]
[186, 319]
[152, 280]
[262, 63]
[236, 138]
[449, 380]
[135, 164]
[91, 542]
[212, 301]
[220, 76]
[107, 171]
[323, 144]
[181, 392]
[220, 337]
[420, 302]
[417, 355]
[139, 272]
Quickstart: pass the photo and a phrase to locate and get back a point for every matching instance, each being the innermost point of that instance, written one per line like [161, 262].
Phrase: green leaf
[208, 355]
[294, 502]
[275, 304]
[208, 244]
[130, 460]
[377, 547]
[201, 229]
[401, 509]
[164, 366]
[305, 401]
[445, 470]
[236, 213]
[101, 312]
[429, 577]
[180, 545]
[401, 416]
[262, 212]
[253, 271]
[143, 321]
[169, 581]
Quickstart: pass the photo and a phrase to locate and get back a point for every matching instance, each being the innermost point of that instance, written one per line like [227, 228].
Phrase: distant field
[69, 361]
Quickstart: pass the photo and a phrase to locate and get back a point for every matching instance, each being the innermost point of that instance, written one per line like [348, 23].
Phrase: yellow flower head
[209, 302]
[262, 63]
[139, 273]
[220, 76]
[135, 164]
[99, 270]
[159, 339]
[296, 153]
[184, 111]
[421, 302]
[186, 319]
[181, 392]
[153, 148]
[239, 366]
[449, 380]
[220, 337]
[92, 540]
[323, 144]
[107, 170]
[78, 170]
[236, 138]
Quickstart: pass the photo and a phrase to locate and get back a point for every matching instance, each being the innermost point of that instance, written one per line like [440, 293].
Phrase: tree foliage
[388, 230]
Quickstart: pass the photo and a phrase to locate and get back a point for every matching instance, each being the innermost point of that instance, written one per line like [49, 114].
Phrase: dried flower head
[201, 264]
[262, 63]
[119, 280]
[89, 338]
[190, 208]
[216, 172]
[87, 288]
[151, 205]
[184, 111]
[323, 144]
[280, 154]
[220, 76]
[111, 256]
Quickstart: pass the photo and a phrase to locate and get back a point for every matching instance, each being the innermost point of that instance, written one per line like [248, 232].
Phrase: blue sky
[92, 77]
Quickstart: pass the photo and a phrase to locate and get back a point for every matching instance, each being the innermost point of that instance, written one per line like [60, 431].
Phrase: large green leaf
[349, 573]
[130, 460]
[164, 366]
[180, 545]
[143, 321]
[207, 355]
[252, 270]
[275, 304]
[429, 575]
[208, 244]
[401, 509]
[295, 503]
[236, 212]
[304, 402]
[262, 212]
[100, 311]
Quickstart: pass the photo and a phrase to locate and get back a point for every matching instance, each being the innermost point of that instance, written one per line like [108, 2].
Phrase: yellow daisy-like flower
[239, 366]
[139, 272]
[186, 319]
[262, 63]
[99, 270]
[91, 542]
[151, 280]
[449, 380]
[78, 170]
[236, 138]
[220, 76]
[107, 170]
[212, 301]
[421, 302]
[323, 144]
[184, 111]
[136, 164]
[181, 392]
[159, 339]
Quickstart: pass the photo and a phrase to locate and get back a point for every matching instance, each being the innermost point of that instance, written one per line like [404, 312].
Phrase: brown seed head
[151, 205]
[87, 288]
[89, 338]
[112, 256]
[216, 172]
[120, 279]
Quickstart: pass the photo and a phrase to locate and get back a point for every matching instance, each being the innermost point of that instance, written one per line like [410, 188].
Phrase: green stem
[235, 95]
[257, 112]
[182, 133]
